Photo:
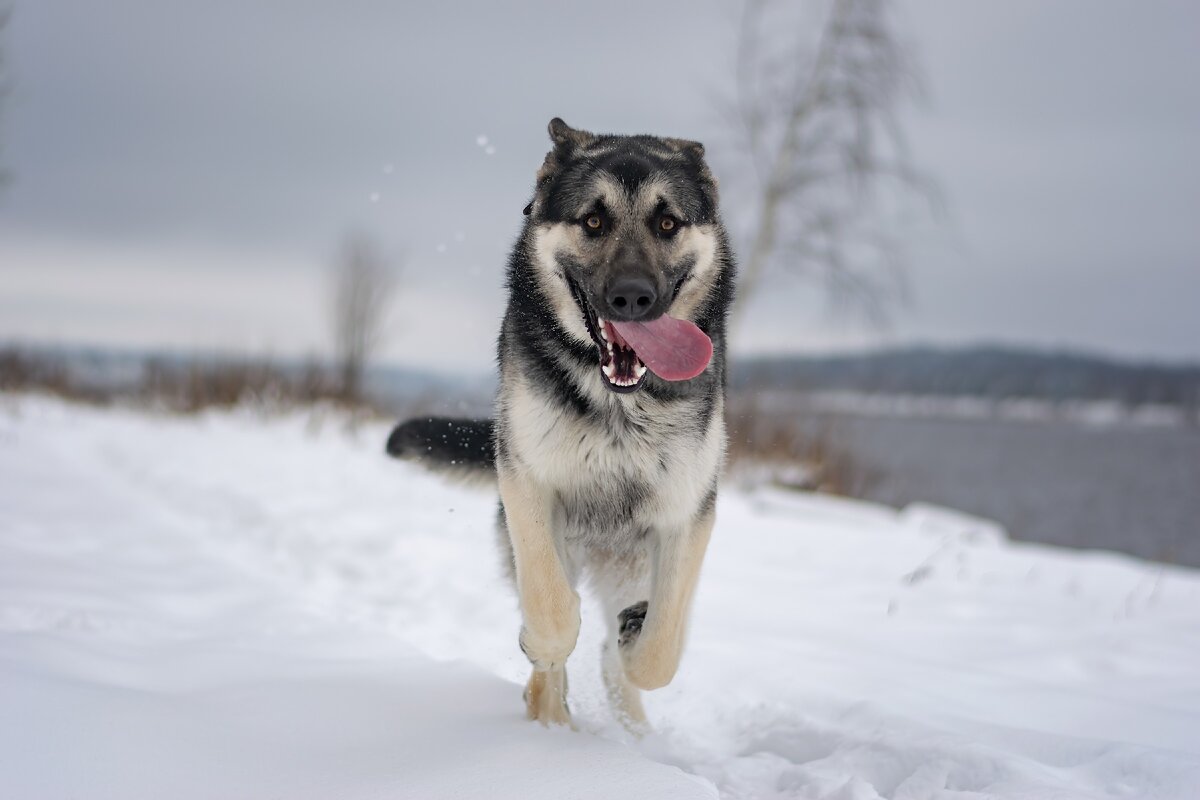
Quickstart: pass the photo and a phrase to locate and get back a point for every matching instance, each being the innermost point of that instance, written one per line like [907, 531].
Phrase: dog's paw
[631, 620]
[546, 698]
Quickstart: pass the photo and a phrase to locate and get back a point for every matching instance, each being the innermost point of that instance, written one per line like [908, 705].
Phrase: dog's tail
[463, 450]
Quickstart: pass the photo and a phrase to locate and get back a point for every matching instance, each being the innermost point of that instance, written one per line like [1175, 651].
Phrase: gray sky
[183, 171]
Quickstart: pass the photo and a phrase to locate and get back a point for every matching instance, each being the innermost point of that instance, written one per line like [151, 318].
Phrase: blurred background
[967, 232]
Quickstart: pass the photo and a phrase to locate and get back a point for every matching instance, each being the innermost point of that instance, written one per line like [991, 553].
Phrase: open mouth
[623, 371]
[673, 349]
[619, 363]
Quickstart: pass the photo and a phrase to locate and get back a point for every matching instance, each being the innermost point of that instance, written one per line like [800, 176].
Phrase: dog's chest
[620, 474]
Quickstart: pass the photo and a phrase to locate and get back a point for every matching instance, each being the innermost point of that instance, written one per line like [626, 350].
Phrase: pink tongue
[673, 349]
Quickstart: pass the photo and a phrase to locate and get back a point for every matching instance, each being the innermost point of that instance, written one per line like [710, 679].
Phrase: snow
[1093, 413]
[246, 605]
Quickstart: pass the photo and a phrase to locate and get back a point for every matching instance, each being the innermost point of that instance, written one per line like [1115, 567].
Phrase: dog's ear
[566, 141]
[686, 146]
[567, 138]
[694, 152]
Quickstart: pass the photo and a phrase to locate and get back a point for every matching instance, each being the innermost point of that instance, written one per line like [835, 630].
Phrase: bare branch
[820, 121]
[363, 285]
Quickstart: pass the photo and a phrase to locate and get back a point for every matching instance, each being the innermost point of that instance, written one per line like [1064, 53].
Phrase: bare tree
[820, 119]
[363, 285]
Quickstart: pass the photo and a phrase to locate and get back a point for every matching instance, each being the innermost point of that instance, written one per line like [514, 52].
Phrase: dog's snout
[630, 298]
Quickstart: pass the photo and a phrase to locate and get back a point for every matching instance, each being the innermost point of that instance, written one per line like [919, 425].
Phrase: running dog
[609, 433]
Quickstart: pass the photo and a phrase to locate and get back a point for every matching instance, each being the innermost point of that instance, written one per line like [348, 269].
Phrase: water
[1129, 488]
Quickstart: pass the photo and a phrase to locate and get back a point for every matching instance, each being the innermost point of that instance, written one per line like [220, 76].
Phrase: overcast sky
[182, 171]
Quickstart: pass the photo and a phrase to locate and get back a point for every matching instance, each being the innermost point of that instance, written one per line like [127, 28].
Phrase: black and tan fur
[612, 485]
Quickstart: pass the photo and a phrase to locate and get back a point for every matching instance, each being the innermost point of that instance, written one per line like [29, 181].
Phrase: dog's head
[626, 235]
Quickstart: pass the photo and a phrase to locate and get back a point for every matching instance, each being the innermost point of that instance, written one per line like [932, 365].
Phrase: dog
[609, 434]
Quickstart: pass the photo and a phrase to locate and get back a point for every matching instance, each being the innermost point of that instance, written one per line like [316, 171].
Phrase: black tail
[463, 449]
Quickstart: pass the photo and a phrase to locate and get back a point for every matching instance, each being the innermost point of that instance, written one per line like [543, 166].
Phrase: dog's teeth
[639, 370]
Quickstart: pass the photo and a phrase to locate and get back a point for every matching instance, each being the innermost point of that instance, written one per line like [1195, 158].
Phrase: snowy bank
[236, 606]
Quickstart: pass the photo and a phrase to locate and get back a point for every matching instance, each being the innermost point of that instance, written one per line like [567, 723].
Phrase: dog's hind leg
[549, 604]
[652, 634]
[624, 698]
[619, 581]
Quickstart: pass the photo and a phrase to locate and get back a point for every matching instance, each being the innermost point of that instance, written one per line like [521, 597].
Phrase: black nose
[631, 298]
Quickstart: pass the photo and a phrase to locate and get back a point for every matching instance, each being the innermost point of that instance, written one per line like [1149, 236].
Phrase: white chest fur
[635, 445]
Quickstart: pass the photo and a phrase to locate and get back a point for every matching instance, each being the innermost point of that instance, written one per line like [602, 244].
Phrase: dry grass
[21, 371]
[200, 385]
[180, 386]
[772, 447]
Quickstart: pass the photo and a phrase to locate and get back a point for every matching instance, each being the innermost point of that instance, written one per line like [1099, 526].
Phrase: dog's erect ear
[686, 146]
[567, 138]
[695, 152]
[566, 141]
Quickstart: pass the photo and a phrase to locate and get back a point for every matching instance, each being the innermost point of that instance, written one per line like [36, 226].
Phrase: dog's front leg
[652, 634]
[549, 606]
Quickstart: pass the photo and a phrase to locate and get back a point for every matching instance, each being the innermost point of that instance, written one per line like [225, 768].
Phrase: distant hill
[988, 372]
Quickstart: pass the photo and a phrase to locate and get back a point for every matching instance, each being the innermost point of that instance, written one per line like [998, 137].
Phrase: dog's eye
[667, 225]
[594, 222]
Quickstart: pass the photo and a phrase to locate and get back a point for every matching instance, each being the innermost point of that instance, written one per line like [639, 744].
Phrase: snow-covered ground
[242, 606]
